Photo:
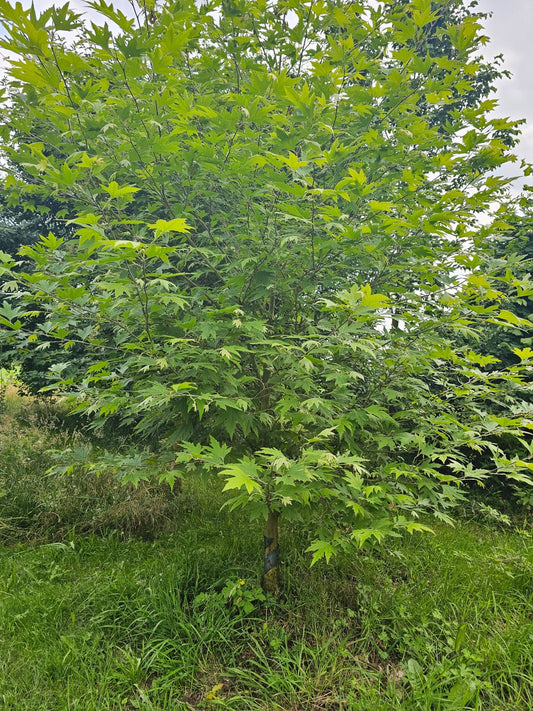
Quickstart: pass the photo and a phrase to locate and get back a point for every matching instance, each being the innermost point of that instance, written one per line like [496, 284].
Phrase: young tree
[275, 238]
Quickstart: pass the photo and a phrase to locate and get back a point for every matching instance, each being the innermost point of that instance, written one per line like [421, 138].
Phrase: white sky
[511, 30]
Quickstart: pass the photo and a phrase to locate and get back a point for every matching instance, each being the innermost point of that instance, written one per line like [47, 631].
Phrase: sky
[510, 29]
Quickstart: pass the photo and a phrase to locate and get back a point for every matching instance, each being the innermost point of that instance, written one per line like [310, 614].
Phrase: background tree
[19, 227]
[514, 247]
[22, 225]
[275, 238]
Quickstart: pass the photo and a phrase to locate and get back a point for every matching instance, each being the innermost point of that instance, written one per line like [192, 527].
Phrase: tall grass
[41, 505]
[115, 621]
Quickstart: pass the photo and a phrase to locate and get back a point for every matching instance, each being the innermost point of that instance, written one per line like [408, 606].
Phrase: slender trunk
[271, 576]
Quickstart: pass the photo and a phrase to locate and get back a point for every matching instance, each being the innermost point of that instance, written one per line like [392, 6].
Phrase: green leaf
[243, 474]
[523, 353]
[178, 224]
[505, 317]
[115, 191]
[320, 549]
[413, 526]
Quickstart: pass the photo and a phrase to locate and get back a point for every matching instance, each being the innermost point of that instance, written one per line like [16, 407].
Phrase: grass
[97, 618]
[38, 505]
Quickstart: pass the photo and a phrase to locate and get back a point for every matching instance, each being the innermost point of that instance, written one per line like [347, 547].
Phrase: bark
[271, 576]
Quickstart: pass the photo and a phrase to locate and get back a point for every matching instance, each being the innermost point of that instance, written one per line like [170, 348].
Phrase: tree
[24, 225]
[274, 239]
[514, 248]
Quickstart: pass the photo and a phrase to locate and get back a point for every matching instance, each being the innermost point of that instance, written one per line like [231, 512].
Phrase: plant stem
[271, 581]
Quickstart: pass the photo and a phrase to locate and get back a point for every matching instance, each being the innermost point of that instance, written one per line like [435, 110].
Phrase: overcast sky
[511, 30]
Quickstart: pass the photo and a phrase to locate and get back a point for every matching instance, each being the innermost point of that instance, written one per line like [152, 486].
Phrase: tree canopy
[277, 210]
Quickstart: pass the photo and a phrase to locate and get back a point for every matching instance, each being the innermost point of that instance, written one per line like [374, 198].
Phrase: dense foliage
[277, 242]
[24, 225]
[515, 247]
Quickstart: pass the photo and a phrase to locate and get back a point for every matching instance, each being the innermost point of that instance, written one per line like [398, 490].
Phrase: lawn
[119, 599]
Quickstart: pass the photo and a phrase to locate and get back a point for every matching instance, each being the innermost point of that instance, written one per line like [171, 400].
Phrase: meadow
[114, 598]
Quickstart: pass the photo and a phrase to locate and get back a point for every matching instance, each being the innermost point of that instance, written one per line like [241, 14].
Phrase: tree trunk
[271, 574]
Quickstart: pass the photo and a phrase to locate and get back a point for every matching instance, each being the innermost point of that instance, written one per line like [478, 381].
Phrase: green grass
[38, 505]
[100, 623]
[111, 621]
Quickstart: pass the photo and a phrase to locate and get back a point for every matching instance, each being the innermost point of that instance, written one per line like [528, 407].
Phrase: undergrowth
[39, 504]
[114, 599]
